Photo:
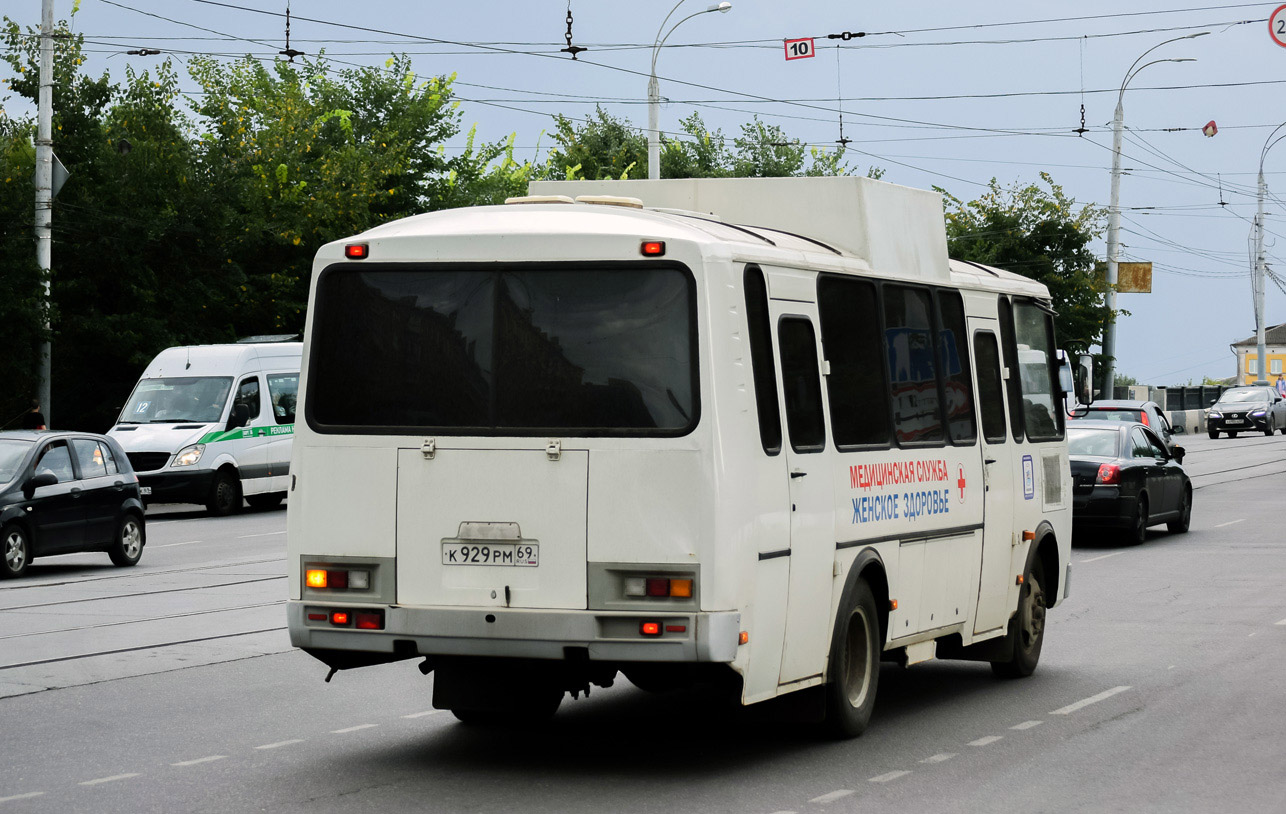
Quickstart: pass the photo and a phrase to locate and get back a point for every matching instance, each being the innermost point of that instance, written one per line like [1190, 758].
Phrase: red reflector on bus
[676, 628]
[337, 579]
[370, 620]
[650, 628]
[356, 251]
[653, 248]
[658, 586]
[317, 617]
[339, 618]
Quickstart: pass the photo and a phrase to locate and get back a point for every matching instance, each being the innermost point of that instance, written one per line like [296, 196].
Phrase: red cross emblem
[960, 482]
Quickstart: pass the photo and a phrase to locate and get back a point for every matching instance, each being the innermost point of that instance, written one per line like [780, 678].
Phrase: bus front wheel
[1026, 627]
[855, 664]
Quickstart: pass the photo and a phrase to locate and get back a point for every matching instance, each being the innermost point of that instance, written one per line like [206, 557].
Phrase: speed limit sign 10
[1277, 26]
[803, 48]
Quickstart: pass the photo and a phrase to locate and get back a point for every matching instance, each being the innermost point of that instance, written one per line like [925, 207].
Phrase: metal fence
[1192, 398]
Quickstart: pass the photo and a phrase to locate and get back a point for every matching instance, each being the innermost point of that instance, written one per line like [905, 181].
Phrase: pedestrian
[34, 419]
[1281, 386]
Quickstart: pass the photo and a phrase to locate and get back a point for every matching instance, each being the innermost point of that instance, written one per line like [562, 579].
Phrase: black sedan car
[64, 492]
[1247, 409]
[1124, 478]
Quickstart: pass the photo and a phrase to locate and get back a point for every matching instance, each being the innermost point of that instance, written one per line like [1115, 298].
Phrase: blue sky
[937, 93]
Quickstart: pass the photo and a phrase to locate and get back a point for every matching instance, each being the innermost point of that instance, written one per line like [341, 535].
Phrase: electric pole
[44, 189]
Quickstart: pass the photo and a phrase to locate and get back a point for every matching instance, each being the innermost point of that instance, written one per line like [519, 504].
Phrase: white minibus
[213, 424]
[760, 433]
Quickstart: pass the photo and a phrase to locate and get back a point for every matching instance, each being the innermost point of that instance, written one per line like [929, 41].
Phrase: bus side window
[991, 398]
[802, 382]
[913, 374]
[850, 323]
[957, 383]
[761, 365]
[1009, 348]
[283, 392]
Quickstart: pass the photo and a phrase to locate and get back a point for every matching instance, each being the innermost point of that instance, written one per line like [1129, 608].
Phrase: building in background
[1247, 351]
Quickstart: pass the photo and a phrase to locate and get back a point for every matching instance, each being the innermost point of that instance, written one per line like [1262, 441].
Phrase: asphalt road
[171, 688]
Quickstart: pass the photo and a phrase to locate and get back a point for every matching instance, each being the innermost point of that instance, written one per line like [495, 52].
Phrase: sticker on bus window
[142, 406]
[1029, 478]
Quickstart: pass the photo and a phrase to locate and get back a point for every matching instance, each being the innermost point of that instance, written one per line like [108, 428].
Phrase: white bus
[555, 440]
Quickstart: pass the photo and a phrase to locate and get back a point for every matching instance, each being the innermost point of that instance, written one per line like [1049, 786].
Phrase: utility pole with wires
[44, 190]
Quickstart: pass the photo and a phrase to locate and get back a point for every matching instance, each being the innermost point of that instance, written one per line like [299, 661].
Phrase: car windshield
[1243, 396]
[12, 453]
[1099, 443]
[177, 400]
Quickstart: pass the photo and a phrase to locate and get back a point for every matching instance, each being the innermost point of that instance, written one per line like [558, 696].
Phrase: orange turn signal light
[681, 587]
[743, 638]
[1020, 580]
[1028, 536]
[316, 578]
[893, 604]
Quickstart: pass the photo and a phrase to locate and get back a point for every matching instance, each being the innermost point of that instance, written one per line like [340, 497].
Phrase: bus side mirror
[240, 416]
[1084, 374]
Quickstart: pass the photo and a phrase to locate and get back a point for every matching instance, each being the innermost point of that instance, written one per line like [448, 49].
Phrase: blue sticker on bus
[1029, 478]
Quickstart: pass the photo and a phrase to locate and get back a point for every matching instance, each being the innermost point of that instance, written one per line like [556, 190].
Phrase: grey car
[1147, 413]
[1247, 409]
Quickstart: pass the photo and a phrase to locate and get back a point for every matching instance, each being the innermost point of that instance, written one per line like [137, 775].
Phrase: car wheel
[1026, 627]
[1215, 433]
[1138, 530]
[15, 551]
[1268, 426]
[1184, 520]
[128, 547]
[855, 665]
[271, 500]
[225, 494]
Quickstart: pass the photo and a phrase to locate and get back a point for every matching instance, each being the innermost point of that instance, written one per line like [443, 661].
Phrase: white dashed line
[26, 796]
[1230, 522]
[987, 741]
[1085, 702]
[939, 758]
[422, 714]
[265, 534]
[207, 759]
[1026, 725]
[783, 812]
[171, 545]
[887, 776]
[832, 796]
[1251, 635]
[1282, 622]
[352, 729]
[1103, 556]
[109, 779]
[279, 744]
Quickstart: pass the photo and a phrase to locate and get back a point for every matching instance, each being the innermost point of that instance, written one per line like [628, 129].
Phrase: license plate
[1234, 421]
[145, 490]
[525, 555]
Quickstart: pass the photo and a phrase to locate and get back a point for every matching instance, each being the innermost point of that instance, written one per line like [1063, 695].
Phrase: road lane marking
[1103, 556]
[1282, 622]
[1085, 702]
[987, 741]
[1252, 635]
[207, 759]
[939, 758]
[279, 744]
[1231, 522]
[171, 545]
[265, 534]
[887, 776]
[422, 714]
[831, 797]
[352, 729]
[26, 796]
[1026, 725]
[109, 779]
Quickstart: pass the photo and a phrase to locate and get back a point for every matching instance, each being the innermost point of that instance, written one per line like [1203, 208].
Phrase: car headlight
[189, 455]
[1216, 414]
[1260, 413]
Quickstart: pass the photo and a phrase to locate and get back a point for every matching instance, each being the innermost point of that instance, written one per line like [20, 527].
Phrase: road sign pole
[44, 192]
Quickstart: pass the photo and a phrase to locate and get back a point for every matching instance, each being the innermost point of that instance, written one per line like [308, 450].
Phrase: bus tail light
[681, 588]
[658, 586]
[339, 618]
[338, 579]
[316, 578]
[369, 620]
[1108, 474]
[650, 628]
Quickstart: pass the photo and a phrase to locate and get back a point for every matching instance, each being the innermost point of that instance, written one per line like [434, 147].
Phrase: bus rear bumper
[523, 633]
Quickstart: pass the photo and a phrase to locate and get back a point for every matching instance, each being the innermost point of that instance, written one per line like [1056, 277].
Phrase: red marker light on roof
[653, 248]
[357, 251]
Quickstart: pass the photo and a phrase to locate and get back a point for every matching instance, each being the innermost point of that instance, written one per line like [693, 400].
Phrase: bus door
[998, 476]
[812, 524]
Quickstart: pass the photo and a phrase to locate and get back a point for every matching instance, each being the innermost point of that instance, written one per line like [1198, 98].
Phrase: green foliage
[603, 148]
[1038, 232]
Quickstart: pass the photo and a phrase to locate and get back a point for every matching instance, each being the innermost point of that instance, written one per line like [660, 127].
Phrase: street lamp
[1259, 257]
[654, 93]
[1114, 211]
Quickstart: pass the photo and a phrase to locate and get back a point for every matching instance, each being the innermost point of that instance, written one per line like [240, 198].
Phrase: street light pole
[44, 190]
[1260, 272]
[654, 91]
[1114, 212]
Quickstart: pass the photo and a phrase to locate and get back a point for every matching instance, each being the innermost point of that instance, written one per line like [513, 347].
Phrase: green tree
[1037, 231]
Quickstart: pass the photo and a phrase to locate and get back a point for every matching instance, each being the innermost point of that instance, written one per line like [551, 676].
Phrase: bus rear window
[587, 350]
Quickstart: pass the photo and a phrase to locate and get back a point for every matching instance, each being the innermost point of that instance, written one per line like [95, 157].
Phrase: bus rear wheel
[1026, 627]
[855, 665]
